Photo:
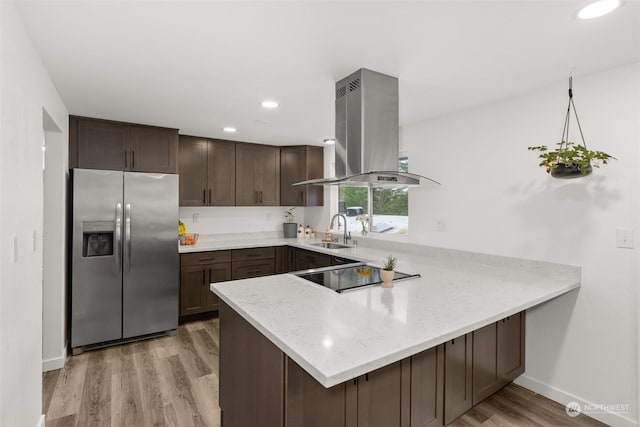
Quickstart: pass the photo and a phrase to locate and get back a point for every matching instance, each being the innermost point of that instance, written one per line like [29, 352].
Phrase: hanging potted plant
[570, 160]
[290, 227]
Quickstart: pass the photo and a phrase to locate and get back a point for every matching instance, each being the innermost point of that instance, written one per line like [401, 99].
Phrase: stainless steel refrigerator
[125, 266]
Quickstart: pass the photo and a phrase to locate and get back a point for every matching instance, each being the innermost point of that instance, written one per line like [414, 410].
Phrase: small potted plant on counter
[290, 227]
[386, 274]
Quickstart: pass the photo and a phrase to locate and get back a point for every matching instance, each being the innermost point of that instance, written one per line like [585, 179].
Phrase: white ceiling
[199, 66]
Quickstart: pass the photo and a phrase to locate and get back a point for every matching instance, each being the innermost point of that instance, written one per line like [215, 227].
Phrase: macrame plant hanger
[565, 130]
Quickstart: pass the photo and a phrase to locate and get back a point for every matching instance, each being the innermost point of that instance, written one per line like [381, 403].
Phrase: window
[390, 207]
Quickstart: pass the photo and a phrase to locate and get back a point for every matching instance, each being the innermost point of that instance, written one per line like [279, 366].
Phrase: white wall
[215, 220]
[54, 241]
[495, 199]
[26, 90]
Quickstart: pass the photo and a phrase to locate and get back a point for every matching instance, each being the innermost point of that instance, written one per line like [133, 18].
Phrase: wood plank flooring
[173, 381]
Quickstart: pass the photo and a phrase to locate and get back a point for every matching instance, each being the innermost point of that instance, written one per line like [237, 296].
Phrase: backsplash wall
[237, 219]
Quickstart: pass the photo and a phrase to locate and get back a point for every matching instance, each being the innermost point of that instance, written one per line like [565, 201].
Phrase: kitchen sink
[330, 245]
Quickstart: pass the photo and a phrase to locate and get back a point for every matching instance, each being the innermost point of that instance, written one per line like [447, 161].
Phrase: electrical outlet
[624, 238]
[196, 218]
[441, 225]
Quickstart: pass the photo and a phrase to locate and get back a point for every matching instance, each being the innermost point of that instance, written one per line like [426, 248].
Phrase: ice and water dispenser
[97, 238]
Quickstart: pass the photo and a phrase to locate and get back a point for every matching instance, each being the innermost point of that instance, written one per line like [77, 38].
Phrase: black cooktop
[341, 279]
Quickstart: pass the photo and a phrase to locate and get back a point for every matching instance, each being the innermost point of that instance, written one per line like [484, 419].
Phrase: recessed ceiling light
[329, 141]
[269, 104]
[598, 8]
[229, 129]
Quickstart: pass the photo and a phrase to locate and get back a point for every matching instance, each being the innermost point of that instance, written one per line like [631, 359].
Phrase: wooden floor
[173, 381]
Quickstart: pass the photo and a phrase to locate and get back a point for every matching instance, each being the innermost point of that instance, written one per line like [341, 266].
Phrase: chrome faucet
[345, 236]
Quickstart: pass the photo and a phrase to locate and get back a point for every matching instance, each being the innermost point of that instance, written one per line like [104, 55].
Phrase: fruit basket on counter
[188, 238]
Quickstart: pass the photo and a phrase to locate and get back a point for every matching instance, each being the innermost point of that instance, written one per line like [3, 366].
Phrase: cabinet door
[292, 169]
[379, 397]
[269, 176]
[221, 173]
[457, 377]
[217, 273]
[308, 403]
[102, 145]
[246, 175]
[511, 347]
[486, 380]
[300, 163]
[427, 388]
[193, 171]
[257, 175]
[154, 149]
[192, 282]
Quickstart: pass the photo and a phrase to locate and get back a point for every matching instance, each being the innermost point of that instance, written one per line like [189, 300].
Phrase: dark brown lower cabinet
[309, 403]
[197, 272]
[498, 355]
[305, 259]
[457, 377]
[379, 397]
[427, 388]
[261, 386]
[251, 374]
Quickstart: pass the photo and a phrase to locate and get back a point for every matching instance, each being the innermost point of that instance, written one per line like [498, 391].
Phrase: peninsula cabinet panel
[379, 397]
[427, 388]
[457, 377]
[309, 404]
[511, 337]
[486, 380]
[251, 375]
[498, 355]
[207, 172]
[257, 175]
[106, 144]
[301, 163]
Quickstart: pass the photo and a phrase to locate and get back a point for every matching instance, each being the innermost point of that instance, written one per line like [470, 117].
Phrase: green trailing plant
[390, 263]
[570, 155]
[289, 215]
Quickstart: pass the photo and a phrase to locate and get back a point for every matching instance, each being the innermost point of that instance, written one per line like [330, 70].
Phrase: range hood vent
[367, 123]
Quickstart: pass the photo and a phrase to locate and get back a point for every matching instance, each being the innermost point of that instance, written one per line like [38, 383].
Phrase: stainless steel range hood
[367, 133]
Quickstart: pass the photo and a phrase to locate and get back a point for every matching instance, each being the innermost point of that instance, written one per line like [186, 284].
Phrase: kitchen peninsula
[294, 353]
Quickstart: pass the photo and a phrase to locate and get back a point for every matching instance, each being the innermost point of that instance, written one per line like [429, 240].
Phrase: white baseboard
[55, 363]
[41, 422]
[560, 396]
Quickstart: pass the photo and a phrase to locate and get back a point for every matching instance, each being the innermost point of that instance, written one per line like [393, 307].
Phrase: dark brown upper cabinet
[106, 144]
[257, 175]
[207, 172]
[300, 163]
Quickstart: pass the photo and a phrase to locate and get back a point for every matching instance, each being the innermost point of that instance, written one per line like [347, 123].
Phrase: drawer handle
[254, 271]
[253, 255]
[205, 259]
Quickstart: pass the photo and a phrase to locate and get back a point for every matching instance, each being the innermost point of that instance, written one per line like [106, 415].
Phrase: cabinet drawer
[252, 254]
[202, 258]
[252, 268]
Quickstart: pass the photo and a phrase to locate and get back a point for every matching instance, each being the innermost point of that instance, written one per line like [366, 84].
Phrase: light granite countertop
[336, 337]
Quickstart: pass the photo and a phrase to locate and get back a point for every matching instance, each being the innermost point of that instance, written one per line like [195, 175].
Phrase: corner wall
[26, 90]
[495, 199]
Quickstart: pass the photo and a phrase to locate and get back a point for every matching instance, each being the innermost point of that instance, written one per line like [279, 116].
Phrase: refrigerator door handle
[127, 234]
[118, 243]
